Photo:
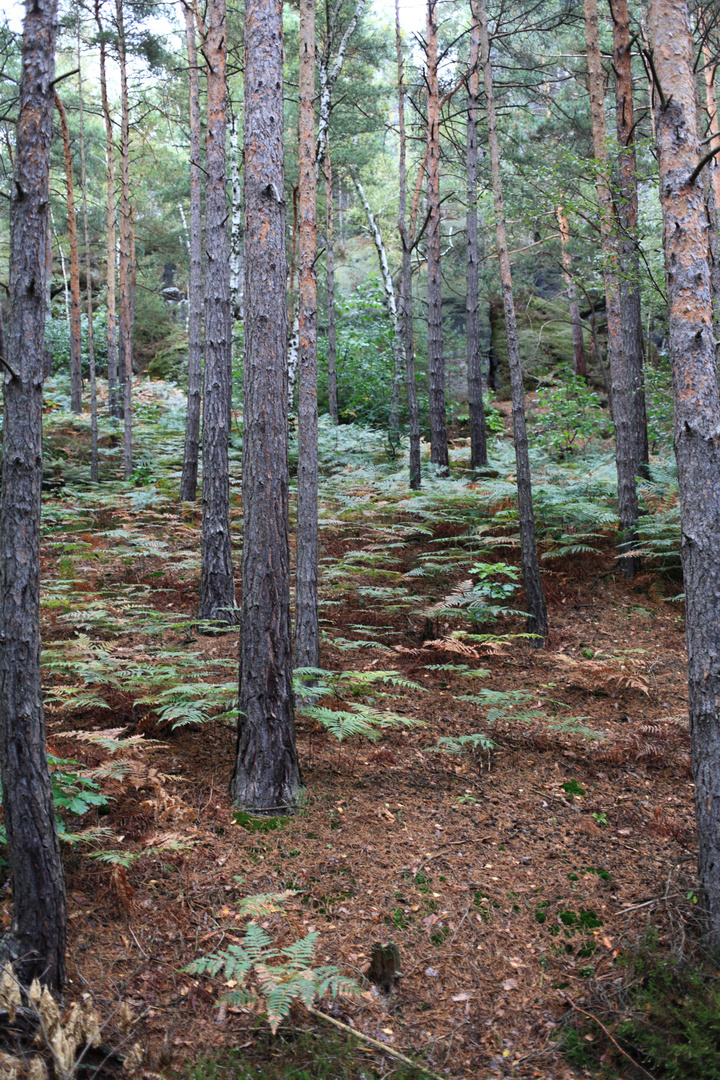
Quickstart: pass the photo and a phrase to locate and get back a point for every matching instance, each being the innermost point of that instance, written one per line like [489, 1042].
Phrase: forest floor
[513, 880]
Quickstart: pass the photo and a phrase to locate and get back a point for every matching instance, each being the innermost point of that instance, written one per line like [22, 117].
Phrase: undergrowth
[664, 1022]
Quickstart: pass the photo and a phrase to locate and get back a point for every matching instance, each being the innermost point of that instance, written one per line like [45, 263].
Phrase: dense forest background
[445, 816]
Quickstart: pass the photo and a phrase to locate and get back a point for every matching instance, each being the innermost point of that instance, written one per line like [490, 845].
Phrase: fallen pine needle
[375, 1042]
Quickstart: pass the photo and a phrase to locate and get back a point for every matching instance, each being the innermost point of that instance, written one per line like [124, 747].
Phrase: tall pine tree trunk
[88, 275]
[535, 598]
[267, 773]
[629, 250]
[330, 270]
[38, 929]
[75, 339]
[112, 355]
[713, 192]
[436, 365]
[125, 262]
[188, 480]
[575, 321]
[620, 378]
[697, 414]
[307, 630]
[478, 447]
[217, 584]
[405, 298]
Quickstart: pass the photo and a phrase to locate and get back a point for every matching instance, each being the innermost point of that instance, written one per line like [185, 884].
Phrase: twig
[701, 165]
[612, 1040]
[375, 1042]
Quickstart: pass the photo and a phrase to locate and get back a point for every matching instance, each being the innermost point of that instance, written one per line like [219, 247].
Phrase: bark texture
[217, 584]
[629, 251]
[39, 913]
[329, 69]
[713, 187]
[125, 261]
[436, 364]
[267, 773]
[575, 321]
[535, 599]
[188, 480]
[405, 297]
[478, 446]
[112, 356]
[75, 339]
[621, 383]
[697, 415]
[307, 630]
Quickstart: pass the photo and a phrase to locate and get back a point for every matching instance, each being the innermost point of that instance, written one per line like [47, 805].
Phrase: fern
[457, 744]
[269, 975]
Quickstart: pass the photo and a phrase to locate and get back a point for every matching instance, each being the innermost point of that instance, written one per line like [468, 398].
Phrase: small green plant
[268, 975]
[567, 416]
[573, 788]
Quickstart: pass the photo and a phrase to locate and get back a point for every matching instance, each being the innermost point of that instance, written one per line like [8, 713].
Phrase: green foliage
[364, 356]
[317, 1054]
[567, 416]
[271, 975]
[359, 719]
[670, 1022]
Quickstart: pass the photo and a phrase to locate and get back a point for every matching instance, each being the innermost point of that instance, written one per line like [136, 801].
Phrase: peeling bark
[697, 416]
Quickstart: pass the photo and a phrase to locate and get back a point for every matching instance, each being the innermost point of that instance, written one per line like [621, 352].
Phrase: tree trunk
[713, 200]
[330, 264]
[535, 599]
[629, 250]
[112, 357]
[188, 480]
[88, 275]
[436, 365]
[36, 940]
[622, 388]
[267, 773]
[575, 320]
[235, 223]
[307, 630]
[75, 339]
[125, 264]
[217, 584]
[329, 74]
[697, 415]
[405, 306]
[389, 289]
[294, 336]
[478, 446]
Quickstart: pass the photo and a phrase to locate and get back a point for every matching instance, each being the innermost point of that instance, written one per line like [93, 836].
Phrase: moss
[544, 335]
